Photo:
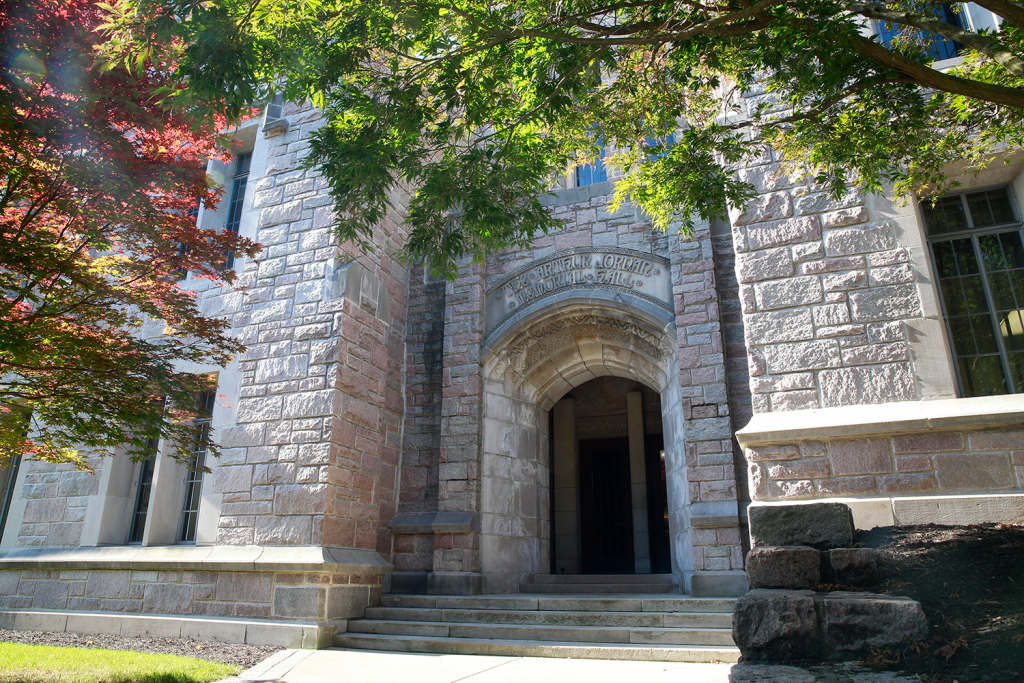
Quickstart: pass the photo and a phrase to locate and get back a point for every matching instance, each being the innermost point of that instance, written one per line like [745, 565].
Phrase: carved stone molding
[546, 340]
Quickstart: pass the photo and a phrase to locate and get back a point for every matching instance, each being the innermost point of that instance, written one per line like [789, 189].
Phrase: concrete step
[604, 578]
[563, 603]
[597, 588]
[560, 618]
[537, 648]
[569, 634]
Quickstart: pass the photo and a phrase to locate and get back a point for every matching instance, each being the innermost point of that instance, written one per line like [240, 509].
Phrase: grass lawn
[46, 664]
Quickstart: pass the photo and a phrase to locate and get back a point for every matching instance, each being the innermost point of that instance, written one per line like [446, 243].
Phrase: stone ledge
[575, 195]
[717, 584]
[883, 419]
[292, 634]
[714, 514]
[198, 558]
[435, 522]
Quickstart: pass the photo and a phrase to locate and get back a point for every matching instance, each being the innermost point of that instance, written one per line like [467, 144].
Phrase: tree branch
[997, 94]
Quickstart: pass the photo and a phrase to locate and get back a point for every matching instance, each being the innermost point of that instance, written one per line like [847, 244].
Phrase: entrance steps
[634, 626]
[601, 583]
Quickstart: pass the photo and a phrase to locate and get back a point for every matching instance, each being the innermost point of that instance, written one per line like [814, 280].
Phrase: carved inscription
[578, 269]
[624, 270]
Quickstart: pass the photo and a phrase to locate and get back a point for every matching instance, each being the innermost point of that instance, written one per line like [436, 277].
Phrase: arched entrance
[531, 365]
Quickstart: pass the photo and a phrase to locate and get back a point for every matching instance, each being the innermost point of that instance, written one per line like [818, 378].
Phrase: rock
[819, 525]
[775, 624]
[861, 622]
[850, 566]
[785, 567]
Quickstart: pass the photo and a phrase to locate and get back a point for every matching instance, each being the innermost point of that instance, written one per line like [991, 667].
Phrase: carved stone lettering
[645, 276]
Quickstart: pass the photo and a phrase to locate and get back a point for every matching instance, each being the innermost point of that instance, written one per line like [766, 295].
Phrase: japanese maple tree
[99, 185]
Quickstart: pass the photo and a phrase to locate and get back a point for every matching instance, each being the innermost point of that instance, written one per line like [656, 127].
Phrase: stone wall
[56, 499]
[827, 293]
[933, 463]
[313, 454]
[262, 595]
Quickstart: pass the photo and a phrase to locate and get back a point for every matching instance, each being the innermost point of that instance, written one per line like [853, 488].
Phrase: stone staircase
[653, 625]
[600, 584]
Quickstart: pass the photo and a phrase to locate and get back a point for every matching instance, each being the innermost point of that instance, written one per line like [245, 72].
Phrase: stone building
[609, 401]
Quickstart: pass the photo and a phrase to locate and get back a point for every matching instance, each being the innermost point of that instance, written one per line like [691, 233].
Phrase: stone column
[567, 538]
[638, 482]
[457, 539]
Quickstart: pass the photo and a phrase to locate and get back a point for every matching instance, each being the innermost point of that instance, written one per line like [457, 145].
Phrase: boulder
[861, 622]
[785, 567]
[775, 624]
[818, 525]
[850, 566]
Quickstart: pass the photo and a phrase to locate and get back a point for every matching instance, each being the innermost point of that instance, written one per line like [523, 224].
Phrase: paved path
[365, 666]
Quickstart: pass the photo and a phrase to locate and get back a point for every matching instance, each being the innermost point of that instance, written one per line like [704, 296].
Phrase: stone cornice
[884, 419]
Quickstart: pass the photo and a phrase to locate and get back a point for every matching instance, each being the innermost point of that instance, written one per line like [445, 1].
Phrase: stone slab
[861, 622]
[791, 567]
[775, 624]
[817, 525]
[850, 566]
[956, 510]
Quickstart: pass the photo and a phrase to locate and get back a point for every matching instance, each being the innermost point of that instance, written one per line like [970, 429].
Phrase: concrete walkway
[365, 666]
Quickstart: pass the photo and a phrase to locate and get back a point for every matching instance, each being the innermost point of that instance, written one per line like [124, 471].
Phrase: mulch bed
[245, 656]
[970, 583]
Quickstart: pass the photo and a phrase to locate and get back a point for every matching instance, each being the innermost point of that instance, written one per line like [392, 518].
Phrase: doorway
[606, 509]
[610, 502]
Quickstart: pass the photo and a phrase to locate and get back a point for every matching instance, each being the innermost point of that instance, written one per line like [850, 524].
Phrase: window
[977, 246]
[938, 47]
[9, 477]
[238, 183]
[143, 486]
[9, 474]
[592, 173]
[194, 473]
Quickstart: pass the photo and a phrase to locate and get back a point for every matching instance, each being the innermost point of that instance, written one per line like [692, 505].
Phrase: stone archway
[528, 366]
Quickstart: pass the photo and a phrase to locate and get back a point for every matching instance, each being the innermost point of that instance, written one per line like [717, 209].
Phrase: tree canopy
[99, 185]
[477, 105]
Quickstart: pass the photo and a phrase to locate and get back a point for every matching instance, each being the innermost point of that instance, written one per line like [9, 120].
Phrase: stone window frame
[972, 233]
[109, 515]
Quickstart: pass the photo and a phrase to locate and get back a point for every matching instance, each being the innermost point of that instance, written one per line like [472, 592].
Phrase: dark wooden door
[606, 508]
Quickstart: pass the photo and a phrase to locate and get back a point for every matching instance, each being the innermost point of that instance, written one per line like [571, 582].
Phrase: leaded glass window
[977, 246]
[194, 473]
[239, 180]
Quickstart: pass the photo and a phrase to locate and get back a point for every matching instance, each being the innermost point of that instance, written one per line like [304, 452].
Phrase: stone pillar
[567, 512]
[711, 510]
[638, 482]
[457, 546]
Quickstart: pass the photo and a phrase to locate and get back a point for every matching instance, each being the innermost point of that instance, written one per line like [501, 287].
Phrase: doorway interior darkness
[617, 462]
